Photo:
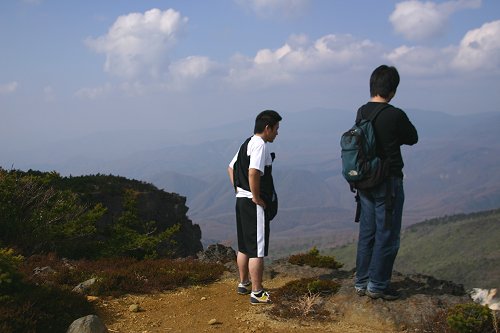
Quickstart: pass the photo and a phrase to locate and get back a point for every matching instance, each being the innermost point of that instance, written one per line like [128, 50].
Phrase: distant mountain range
[453, 169]
[462, 248]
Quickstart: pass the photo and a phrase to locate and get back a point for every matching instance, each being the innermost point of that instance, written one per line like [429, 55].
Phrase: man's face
[272, 132]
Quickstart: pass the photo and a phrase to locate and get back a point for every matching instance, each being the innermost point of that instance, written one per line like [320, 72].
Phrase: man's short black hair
[266, 118]
[384, 81]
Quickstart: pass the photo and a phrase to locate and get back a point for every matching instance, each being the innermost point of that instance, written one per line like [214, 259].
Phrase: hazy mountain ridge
[453, 169]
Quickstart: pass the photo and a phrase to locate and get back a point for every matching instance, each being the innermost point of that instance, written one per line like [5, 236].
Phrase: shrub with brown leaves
[303, 299]
[124, 275]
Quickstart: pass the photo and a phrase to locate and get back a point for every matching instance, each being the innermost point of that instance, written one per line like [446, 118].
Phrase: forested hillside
[463, 248]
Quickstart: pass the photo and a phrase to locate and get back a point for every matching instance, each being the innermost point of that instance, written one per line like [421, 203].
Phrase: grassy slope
[461, 248]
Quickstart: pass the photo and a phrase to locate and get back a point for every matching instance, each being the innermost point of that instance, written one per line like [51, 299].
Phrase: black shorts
[252, 228]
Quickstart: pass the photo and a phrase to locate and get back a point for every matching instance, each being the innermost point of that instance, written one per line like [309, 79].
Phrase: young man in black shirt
[378, 242]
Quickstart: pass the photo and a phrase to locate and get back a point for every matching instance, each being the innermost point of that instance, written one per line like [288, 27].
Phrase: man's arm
[230, 173]
[407, 132]
[254, 180]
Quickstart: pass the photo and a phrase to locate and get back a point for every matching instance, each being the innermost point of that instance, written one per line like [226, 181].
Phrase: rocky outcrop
[422, 297]
[217, 253]
[162, 208]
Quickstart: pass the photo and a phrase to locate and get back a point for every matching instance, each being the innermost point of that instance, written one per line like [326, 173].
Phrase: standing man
[378, 242]
[250, 172]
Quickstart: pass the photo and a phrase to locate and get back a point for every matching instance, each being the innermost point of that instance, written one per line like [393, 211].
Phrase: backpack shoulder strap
[374, 114]
[240, 177]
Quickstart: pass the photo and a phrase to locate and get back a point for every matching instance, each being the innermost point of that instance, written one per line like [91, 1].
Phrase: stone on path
[87, 324]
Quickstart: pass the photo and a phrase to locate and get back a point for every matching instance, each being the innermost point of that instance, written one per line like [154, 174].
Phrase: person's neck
[379, 99]
[262, 136]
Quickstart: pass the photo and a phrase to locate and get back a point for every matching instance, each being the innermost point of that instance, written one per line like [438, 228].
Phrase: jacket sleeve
[407, 133]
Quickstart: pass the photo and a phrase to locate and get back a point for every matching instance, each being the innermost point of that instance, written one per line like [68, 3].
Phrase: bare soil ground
[191, 310]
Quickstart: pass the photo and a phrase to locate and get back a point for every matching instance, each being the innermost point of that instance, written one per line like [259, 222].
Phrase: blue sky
[72, 68]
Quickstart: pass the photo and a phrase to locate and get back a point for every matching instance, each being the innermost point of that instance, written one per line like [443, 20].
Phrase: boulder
[88, 324]
[43, 271]
[84, 287]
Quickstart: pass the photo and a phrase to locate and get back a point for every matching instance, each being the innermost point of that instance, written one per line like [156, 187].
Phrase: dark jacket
[392, 130]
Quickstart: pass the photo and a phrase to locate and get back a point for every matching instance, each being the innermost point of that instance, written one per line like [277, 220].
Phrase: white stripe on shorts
[261, 231]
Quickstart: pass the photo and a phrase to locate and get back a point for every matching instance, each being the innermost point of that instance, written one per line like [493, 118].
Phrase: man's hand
[258, 201]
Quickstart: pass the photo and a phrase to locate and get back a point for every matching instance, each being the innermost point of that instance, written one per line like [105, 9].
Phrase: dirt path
[191, 309]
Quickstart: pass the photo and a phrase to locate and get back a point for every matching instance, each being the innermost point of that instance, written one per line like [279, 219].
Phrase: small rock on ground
[88, 324]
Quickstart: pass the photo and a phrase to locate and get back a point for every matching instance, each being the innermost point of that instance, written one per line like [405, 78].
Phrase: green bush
[130, 236]
[44, 212]
[314, 259]
[10, 278]
[35, 217]
[297, 288]
[470, 318]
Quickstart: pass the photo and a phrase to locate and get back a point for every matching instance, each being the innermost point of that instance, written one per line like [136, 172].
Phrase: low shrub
[294, 289]
[314, 259]
[303, 299]
[470, 318]
[41, 309]
[10, 277]
[28, 307]
[125, 275]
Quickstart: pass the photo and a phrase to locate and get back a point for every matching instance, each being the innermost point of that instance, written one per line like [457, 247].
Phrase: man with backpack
[381, 196]
[250, 173]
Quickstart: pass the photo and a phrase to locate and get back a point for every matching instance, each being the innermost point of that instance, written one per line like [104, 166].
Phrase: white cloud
[421, 61]
[137, 44]
[270, 8]
[94, 93]
[8, 88]
[480, 49]
[185, 72]
[299, 56]
[192, 67]
[419, 20]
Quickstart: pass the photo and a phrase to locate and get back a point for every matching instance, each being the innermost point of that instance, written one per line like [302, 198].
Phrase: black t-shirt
[392, 130]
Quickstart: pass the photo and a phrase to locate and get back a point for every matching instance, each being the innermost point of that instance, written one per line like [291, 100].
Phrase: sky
[73, 68]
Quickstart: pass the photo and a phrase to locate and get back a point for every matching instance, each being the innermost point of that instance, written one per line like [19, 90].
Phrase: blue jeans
[378, 244]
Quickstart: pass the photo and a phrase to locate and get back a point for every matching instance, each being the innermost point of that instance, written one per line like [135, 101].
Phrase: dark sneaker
[244, 288]
[388, 294]
[360, 291]
[261, 297]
